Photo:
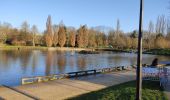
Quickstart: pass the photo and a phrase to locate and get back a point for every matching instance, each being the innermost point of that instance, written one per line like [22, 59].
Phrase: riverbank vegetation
[158, 52]
[126, 91]
[59, 35]
[88, 52]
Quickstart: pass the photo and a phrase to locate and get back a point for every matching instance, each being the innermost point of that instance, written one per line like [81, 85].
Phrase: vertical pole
[139, 57]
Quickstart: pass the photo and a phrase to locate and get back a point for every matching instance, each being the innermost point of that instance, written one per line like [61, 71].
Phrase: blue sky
[79, 12]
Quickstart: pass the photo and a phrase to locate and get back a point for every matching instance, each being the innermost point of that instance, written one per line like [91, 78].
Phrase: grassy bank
[8, 47]
[11, 47]
[158, 52]
[116, 50]
[125, 91]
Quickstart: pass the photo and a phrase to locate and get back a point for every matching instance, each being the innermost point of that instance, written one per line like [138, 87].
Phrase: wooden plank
[9, 94]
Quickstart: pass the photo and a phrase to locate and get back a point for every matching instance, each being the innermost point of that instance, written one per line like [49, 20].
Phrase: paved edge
[21, 92]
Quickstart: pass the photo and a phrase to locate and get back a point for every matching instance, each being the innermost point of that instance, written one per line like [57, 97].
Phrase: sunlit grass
[126, 91]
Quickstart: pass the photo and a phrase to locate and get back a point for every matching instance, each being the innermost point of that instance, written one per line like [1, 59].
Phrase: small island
[88, 52]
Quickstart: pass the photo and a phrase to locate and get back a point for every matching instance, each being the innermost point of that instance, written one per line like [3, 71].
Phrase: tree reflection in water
[61, 61]
[49, 59]
[16, 64]
[24, 57]
[34, 59]
[81, 62]
[71, 61]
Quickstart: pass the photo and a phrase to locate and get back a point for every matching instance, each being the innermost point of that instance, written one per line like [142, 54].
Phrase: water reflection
[24, 58]
[81, 63]
[49, 59]
[61, 61]
[34, 60]
[15, 64]
[71, 61]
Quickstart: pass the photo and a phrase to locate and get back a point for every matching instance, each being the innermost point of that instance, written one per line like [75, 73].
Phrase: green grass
[159, 51]
[125, 91]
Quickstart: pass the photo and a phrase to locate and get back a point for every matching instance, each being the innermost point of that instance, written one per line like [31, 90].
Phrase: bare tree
[25, 27]
[105, 40]
[151, 28]
[134, 39]
[34, 32]
[168, 30]
[25, 35]
[111, 37]
[128, 41]
[116, 35]
[99, 39]
[150, 38]
[117, 28]
[161, 25]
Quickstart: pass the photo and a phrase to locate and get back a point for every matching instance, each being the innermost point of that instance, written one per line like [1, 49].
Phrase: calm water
[17, 64]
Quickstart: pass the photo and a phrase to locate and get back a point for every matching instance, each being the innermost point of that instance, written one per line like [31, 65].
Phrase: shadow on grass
[1, 98]
[125, 91]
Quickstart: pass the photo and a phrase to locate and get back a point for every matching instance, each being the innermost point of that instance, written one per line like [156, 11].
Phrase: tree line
[156, 36]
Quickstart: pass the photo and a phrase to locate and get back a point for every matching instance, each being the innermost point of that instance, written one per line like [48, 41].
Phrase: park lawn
[126, 91]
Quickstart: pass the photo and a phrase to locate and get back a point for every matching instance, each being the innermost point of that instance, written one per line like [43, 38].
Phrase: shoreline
[164, 52]
[44, 48]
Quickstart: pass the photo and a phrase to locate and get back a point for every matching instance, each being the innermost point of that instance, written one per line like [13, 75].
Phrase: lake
[15, 64]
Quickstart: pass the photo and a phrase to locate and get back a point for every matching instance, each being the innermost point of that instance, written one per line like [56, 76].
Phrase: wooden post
[39, 79]
[23, 81]
[76, 74]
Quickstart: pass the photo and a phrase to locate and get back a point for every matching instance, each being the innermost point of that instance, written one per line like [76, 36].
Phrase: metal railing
[156, 74]
[37, 79]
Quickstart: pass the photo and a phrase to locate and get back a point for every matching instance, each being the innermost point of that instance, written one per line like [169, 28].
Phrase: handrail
[156, 74]
[81, 73]
[37, 79]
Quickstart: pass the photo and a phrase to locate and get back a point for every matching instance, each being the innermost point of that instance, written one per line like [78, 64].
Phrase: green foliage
[134, 34]
[159, 51]
[3, 37]
[125, 91]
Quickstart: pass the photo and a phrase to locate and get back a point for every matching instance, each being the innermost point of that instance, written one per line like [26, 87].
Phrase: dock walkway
[65, 88]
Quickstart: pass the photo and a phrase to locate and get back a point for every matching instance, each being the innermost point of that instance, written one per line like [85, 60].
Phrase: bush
[16, 43]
